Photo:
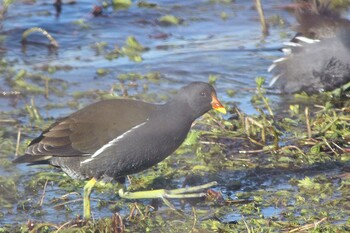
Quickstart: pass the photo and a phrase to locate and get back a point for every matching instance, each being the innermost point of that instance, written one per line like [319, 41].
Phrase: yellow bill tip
[217, 106]
[221, 110]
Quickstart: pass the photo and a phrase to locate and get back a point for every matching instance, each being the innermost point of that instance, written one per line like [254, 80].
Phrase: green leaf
[192, 138]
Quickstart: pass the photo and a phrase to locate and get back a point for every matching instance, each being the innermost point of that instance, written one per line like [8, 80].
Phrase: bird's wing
[85, 131]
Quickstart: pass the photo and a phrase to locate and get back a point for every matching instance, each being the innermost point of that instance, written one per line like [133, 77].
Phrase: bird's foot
[190, 192]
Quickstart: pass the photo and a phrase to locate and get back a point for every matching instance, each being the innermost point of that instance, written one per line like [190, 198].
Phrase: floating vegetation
[33, 111]
[8, 189]
[29, 31]
[146, 4]
[224, 15]
[132, 49]
[27, 83]
[276, 21]
[152, 77]
[4, 7]
[102, 72]
[19, 83]
[121, 4]
[168, 20]
[82, 23]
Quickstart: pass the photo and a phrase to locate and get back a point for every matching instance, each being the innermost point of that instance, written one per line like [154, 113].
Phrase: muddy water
[232, 49]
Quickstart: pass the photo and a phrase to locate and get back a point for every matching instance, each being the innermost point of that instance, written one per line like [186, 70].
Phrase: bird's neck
[177, 111]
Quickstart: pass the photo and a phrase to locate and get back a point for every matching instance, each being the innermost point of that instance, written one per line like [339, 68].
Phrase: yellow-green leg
[87, 192]
[164, 194]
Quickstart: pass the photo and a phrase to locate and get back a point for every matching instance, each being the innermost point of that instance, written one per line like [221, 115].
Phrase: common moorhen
[113, 138]
[318, 58]
[319, 20]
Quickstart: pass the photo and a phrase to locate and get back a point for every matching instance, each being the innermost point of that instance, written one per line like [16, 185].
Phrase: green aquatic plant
[29, 31]
[277, 20]
[4, 7]
[82, 23]
[102, 72]
[9, 192]
[121, 4]
[33, 112]
[146, 4]
[168, 20]
[132, 49]
[261, 128]
[19, 83]
[260, 95]
[212, 79]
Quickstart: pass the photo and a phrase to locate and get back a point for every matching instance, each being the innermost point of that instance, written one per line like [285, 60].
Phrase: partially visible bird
[110, 139]
[319, 20]
[318, 57]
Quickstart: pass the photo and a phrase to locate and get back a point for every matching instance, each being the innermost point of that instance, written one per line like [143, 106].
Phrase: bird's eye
[204, 94]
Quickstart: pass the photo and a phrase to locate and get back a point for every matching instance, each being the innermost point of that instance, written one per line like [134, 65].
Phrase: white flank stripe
[274, 80]
[279, 60]
[111, 143]
[271, 67]
[292, 44]
[286, 51]
[306, 40]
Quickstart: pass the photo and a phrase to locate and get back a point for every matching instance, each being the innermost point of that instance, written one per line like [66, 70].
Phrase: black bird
[318, 58]
[110, 139]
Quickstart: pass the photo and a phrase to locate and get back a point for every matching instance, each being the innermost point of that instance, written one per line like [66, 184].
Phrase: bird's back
[82, 133]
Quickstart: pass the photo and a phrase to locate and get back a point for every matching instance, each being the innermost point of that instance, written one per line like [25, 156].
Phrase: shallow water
[233, 50]
[204, 45]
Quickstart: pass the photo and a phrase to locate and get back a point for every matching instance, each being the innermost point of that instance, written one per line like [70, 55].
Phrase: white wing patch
[111, 143]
